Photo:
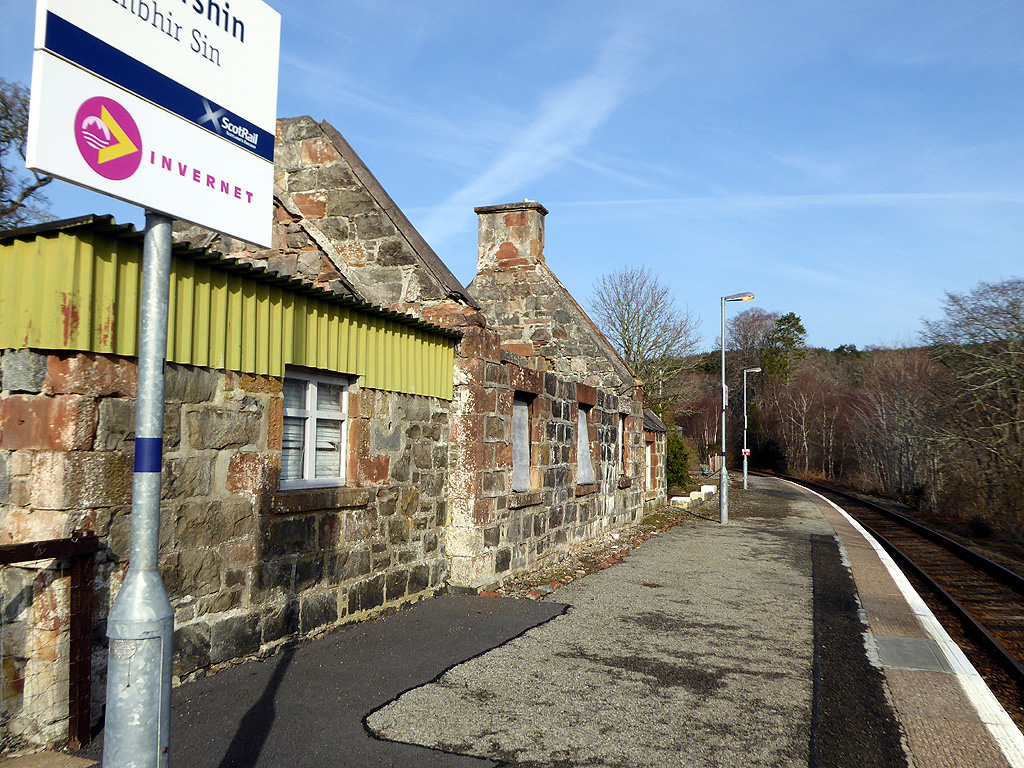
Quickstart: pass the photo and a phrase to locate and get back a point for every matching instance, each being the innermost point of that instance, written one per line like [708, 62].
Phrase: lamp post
[723, 475]
[745, 451]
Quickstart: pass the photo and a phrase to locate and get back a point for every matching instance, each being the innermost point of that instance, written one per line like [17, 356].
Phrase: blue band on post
[148, 454]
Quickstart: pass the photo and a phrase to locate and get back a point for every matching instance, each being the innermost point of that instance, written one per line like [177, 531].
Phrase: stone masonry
[246, 566]
[525, 302]
[336, 226]
[495, 531]
[429, 501]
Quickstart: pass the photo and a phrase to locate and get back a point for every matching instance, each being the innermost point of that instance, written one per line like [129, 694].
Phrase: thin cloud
[567, 121]
[790, 202]
[311, 77]
[441, 137]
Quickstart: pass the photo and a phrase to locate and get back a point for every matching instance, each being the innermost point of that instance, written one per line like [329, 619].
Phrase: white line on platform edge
[991, 712]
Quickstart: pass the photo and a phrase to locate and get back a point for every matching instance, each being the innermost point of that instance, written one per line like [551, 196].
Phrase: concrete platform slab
[911, 653]
[949, 745]
[934, 695]
[895, 624]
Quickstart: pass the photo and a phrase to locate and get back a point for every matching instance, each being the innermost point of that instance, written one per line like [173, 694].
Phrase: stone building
[305, 447]
[524, 301]
[551, 434]
[348, 428]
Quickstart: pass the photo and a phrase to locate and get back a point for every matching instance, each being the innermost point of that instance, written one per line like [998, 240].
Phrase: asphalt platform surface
[708, 645]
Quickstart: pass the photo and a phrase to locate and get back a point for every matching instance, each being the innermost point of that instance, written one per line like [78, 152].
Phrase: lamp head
[739, 297]
[752, 370]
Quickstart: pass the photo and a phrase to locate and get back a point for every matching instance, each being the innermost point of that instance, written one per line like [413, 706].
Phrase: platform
[741, 645]
[766, 642]
[947, 713]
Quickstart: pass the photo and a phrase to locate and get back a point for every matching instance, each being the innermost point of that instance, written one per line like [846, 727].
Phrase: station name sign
[169, 104]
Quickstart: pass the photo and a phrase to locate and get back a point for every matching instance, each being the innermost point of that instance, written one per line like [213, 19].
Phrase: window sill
[291, 502]
[520, 499]
[587, 489]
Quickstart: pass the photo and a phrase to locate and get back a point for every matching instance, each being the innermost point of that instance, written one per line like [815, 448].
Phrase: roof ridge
[431, 261]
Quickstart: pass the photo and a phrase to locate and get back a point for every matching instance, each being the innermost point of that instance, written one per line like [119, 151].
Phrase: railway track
[983, 599]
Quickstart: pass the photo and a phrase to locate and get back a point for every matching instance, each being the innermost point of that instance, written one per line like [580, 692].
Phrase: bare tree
[981, 343]
[639, 316]
[894, 424]
[747, 335]
[700, 420]
[766, 339]
[21, 201]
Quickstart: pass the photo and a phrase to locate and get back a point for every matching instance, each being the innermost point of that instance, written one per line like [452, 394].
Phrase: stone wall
[246, 566]
[494, 531]
[61, 469]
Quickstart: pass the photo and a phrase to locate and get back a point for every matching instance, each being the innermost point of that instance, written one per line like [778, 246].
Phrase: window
[315, 428]
[584, 464]
[650, 466]
[521, 449]
[620, 446]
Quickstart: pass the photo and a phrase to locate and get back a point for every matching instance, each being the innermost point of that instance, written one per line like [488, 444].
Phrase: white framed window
[315, 430]
[522, 449]
[584, 464]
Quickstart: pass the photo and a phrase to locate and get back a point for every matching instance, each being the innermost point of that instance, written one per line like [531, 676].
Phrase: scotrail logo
[222, 124]
[108, 138]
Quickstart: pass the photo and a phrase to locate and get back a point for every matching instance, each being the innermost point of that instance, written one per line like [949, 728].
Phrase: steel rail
[994, 570]
[998, 572]
[1004, 656]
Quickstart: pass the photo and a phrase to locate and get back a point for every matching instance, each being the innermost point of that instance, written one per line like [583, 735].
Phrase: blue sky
[847, 161]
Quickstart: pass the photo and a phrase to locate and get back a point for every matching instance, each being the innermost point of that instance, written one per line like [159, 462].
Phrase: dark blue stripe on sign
[78, 46]
[148, 453]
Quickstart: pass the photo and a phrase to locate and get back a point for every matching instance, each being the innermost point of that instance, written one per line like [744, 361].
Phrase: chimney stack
[511, 236]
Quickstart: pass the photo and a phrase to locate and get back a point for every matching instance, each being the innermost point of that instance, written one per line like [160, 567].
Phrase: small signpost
[172, 106]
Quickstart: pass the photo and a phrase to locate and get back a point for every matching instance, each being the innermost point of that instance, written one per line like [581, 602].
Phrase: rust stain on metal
[69, 309]
[107, 328]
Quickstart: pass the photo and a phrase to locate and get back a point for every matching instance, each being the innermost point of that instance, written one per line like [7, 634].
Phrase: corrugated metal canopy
[74, 285]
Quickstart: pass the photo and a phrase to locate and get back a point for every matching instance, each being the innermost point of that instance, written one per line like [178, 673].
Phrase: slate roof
[652, 423]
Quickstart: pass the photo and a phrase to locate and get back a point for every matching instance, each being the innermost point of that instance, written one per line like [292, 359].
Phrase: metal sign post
[176, 113]
[141, 623]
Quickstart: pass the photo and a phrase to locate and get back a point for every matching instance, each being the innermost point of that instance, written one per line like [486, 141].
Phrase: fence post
[80, 655]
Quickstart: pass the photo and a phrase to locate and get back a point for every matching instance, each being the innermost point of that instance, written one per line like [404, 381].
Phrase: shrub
[678, 461]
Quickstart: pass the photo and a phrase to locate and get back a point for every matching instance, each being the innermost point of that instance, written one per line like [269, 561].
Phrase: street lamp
[723, 476]
[745, 451]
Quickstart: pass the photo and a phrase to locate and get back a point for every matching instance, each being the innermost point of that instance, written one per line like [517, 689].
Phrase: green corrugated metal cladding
[78, 289]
